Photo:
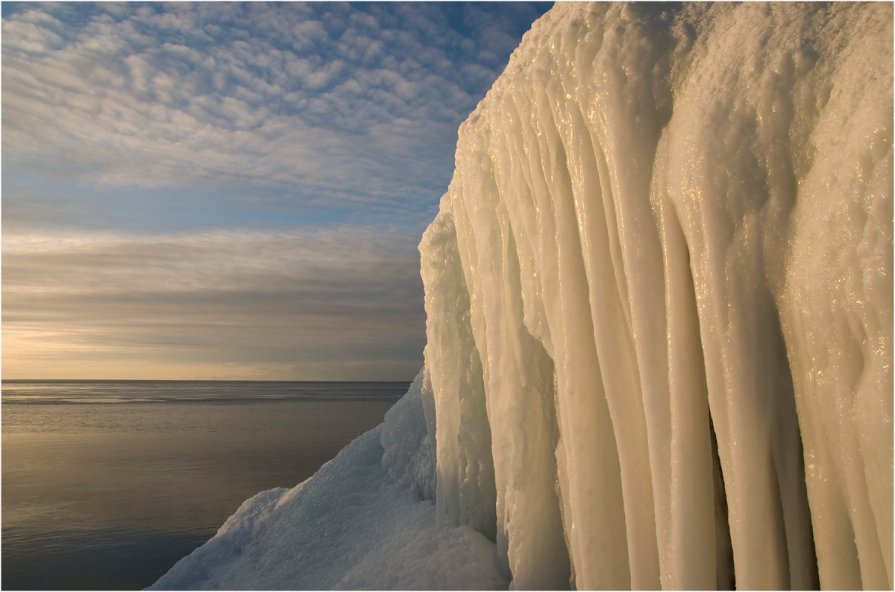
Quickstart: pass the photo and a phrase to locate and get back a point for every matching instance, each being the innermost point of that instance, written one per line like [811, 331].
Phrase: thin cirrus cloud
[305, 304]
[230, 190]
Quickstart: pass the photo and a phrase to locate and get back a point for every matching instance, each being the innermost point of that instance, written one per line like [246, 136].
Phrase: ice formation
[659, 306]
[659, 300]
[365, 520]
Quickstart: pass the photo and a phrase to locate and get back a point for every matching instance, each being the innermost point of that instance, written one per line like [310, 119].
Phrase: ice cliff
[659, 304]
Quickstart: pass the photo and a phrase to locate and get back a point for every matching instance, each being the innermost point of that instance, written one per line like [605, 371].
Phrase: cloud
[290, 97]
[348, 294]
[154, 153]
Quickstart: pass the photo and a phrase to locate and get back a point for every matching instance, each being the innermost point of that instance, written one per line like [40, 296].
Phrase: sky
[230, 190]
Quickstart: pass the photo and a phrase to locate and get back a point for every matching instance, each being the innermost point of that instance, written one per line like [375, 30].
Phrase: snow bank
[659, 300]
[659, 306]
[365, 520]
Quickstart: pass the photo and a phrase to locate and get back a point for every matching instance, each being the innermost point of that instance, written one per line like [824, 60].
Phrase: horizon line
[186, 380]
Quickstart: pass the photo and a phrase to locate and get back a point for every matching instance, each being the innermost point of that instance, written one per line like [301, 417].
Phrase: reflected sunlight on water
[109, 496]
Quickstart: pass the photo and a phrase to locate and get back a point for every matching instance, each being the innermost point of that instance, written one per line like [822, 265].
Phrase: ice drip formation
[659, 319]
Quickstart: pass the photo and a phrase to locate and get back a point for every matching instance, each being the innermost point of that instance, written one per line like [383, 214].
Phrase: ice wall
[659, 300]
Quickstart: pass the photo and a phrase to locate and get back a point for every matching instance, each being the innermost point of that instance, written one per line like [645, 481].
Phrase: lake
[106, 484]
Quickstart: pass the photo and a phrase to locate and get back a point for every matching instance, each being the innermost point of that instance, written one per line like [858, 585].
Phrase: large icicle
[659, 300]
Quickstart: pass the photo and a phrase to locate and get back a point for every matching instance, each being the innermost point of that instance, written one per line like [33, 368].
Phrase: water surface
[106, 484]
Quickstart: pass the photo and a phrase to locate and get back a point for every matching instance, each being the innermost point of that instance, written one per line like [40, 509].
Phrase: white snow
[356, 524]
[659, 321]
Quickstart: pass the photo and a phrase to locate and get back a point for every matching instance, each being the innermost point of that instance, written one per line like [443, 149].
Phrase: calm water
[107, 484]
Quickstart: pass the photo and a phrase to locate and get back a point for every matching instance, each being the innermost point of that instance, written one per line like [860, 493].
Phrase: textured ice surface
[659, 304]
[662, 271]
[365, 520]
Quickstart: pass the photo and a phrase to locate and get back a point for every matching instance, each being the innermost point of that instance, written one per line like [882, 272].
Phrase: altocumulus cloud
[335, 105]
[230, 190]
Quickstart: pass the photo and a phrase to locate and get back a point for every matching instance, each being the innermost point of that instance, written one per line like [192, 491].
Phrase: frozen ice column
[659, 300]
